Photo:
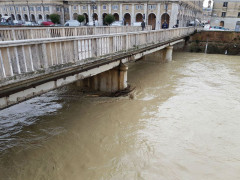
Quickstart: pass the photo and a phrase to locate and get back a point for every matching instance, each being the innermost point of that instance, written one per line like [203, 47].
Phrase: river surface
[183, 124]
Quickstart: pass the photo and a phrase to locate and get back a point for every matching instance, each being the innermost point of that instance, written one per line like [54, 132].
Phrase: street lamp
[93, 7]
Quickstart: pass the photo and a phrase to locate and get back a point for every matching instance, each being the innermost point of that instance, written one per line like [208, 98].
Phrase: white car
[137, 24]
[92, 24]
[72, 23]
[117, 23]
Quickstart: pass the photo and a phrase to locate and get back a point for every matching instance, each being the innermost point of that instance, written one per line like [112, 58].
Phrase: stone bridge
[34, 66]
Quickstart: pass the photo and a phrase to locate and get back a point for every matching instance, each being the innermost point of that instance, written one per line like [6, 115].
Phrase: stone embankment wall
[219, 42]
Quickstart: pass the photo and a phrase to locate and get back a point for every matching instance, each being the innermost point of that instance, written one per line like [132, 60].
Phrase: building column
[79, 9]
[110, 8]
[145, 12]
[169, 51]
[70, 12]
[100, 20]
[90, 18]
[133, 14]
[158, 19]
[121, 13]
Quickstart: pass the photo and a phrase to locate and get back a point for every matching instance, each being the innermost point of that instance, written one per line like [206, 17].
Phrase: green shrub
[55, 18]
[109, 19]
[81, 18]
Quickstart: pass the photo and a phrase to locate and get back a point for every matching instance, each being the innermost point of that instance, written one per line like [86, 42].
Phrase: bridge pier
[169, 51]
[161, 56]
[109, 81]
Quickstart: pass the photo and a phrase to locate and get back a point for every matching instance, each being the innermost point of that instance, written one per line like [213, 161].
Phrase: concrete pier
[109, 81]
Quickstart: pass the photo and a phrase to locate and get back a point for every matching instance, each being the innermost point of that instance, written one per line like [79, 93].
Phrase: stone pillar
[121, 13]
[169, 51]
[145, 12]
[109, 8]
[158, 19]
[90, 18]
[79, 9]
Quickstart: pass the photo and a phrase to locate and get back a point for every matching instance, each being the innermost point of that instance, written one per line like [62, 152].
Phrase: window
[84, 7]
[239, 14]
[74, 7]
[223, 14]
[152, 7]
[16, 8]
[58, 9]
[115, 7]
[31, 8]
[225, 4]
[24, 8]
[138, 7]
[104, 7]
[46, 8]
[39, 8]
[166, 7]
[11, 8]
[95, 7]
[127, 7]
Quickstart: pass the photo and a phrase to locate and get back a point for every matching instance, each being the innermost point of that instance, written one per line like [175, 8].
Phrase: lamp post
[93, 7]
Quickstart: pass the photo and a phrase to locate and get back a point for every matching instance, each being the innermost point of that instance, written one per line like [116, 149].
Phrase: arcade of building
[153, 12]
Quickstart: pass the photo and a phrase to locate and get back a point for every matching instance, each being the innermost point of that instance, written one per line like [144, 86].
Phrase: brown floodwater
[183, 124]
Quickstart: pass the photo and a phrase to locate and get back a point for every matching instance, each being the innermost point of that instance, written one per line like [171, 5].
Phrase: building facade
[153, 12]
[226, 13]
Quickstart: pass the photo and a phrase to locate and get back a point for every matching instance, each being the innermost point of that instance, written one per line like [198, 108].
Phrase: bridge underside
[104, 74]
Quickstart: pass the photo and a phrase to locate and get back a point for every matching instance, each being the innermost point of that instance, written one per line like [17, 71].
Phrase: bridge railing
[24, 56]
[7, 34]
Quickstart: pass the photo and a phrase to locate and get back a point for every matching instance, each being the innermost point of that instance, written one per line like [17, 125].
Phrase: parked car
[29, 23]
[137, 24]
[92, 24]
[72, 23]
[117, 23]
[6, 20]
[217, 28]
[47, 23]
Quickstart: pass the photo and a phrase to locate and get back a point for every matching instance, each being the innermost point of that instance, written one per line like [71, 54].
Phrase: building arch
[103, 17]
[47, 17]
[25, 17]
[5, 15]
[152, 20]
[139, 17]
[86, 18]
[237, 28]
[19, 17]
[33, 19]
[165, 17]
[127, 19]
[116, 16]
[0, 15]
[95, 17]
[40, 17]
[13, 17]
[221, 23]
[75, 15]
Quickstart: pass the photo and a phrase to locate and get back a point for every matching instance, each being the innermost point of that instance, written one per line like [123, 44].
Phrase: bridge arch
[152, 20]
[165, 17]
[127, 19]
[116, 16]
[139, 17]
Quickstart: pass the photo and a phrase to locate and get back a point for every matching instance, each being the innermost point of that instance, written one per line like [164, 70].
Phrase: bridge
[31, 67]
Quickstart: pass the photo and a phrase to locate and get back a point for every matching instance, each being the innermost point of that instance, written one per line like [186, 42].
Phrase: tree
[55, 18]
[109, 19]
[81, 18]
